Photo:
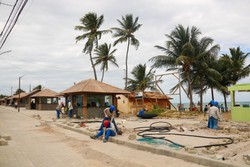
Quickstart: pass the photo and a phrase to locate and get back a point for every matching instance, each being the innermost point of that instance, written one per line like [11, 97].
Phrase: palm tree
[179, 50]
[201, 72]
[232, 68]
[90, 25]
[142, 79]
[104, 56]
[126, 34]
[237, 61]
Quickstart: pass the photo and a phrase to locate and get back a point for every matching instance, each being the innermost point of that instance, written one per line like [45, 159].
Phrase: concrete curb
[171, 153]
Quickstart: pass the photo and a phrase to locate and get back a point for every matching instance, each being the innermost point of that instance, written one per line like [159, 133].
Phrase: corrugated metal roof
[94, 86]
[45, 93]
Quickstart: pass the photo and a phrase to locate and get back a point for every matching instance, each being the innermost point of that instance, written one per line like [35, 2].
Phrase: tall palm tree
[128, 26]
[104, 56]
[142, 79]
[202, 72]
[90, 24]
[179, 50]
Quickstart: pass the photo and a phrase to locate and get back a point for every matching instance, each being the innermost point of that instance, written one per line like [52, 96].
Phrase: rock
[132, 137]
[247, 159]
[191, 150]
[76, 126]
[3, 142]
[6, 137]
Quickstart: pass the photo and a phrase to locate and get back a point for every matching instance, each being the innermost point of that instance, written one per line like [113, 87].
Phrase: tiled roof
[93, 86]
[45, 93]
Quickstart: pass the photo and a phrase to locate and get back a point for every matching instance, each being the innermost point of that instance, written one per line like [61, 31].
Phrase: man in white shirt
[213, 115]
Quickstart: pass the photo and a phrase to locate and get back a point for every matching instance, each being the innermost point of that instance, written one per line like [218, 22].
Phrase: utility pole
[19, 85]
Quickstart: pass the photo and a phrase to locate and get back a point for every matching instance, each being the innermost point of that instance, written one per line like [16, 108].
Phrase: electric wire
[160, 132]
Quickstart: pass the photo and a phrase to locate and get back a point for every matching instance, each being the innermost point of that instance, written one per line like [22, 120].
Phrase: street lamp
[19, 93]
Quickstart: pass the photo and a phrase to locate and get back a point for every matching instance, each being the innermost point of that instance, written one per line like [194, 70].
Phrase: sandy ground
[232, 153]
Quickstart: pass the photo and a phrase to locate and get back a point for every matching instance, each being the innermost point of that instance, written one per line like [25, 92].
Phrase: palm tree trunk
[190, 91]
[201, 96]
[225, 101]
[102, 75]
[93, 66]
[212, 93]
[126, 63]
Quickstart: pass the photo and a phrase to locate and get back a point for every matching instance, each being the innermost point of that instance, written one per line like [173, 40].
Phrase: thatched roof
[94, 86]
[152, 95]
[45, 93]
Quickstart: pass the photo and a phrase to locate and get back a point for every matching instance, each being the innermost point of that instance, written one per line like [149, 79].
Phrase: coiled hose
[155, 131]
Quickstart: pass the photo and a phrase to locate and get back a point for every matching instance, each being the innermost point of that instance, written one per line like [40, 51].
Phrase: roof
[94, 86]
[152, 95]
[240, 87]
[33, 92]
[22, 95]
[45, 93]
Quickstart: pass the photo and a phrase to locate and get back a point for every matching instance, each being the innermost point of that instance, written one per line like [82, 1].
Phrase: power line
[12, 19]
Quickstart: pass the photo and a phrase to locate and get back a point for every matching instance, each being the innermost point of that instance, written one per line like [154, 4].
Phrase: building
[45, 99]
[240, 112]
[90, 97]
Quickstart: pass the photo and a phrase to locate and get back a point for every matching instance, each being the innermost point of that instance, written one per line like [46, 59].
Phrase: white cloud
[44, 48]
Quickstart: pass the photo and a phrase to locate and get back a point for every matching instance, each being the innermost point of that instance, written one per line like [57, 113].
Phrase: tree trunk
[190, 91]
[201, 96]
[102, 75]
[225, 102]
[212, 93]
[93, 66]
[126, 64]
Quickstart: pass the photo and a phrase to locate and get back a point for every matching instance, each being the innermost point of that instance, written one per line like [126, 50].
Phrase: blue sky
[44, 50]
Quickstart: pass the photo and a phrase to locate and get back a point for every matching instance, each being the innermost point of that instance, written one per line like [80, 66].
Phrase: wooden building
[90, 97]
[45, 99]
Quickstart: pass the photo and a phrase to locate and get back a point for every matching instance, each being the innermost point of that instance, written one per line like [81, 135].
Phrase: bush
[156, 110]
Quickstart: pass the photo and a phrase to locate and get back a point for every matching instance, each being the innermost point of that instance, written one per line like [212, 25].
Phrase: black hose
[153, 130]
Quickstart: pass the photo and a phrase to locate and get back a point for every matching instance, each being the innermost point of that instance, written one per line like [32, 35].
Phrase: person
[142, 114]
[109, 114]
[213, 115]
[205, 110]
[15, 104]
[107, 131]
[222, 108]
[70, 109]
[59, 110]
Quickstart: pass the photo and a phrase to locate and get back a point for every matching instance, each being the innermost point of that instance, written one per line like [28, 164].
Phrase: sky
[44, 50]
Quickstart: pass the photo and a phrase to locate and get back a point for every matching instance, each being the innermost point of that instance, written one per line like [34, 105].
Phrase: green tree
[142, 79]
[38, 87]
[18, 91]
[90, 25]
[232, 68]
[201, 72]
[179, 51]
[104, 56]
[128, 26]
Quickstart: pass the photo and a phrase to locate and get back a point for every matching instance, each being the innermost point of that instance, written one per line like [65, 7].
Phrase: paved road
[38, 144]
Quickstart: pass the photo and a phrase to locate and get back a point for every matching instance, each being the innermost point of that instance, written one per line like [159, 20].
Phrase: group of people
[61, 109]
[108, 126]
[213, 113]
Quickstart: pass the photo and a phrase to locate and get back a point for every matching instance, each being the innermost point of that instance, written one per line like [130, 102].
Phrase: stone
[6, 137]
[132, 137]
[3, 142]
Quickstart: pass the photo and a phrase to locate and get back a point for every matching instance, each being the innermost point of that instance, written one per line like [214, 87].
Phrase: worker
[107, 130]
[213, 115]
[109, 114]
